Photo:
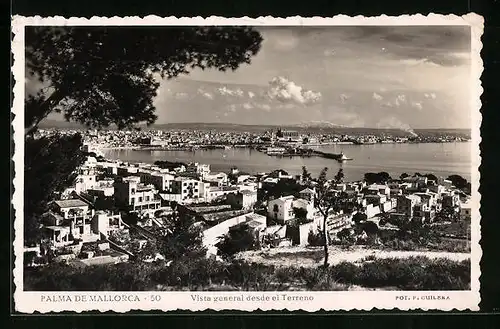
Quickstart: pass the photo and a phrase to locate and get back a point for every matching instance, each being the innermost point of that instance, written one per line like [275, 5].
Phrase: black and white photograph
[242, 164]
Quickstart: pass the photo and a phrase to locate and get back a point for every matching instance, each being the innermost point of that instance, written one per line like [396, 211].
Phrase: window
[140, 199]
[147, 198]
[133, 191]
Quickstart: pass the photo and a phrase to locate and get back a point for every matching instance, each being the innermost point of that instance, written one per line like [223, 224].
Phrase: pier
[333, 156]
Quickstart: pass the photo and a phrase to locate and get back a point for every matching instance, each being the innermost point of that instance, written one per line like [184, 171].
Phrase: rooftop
[70, 203]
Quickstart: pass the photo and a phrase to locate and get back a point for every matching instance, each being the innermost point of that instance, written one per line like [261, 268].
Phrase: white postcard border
[29, 302]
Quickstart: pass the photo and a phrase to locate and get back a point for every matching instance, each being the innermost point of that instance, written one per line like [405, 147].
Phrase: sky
[365, 76]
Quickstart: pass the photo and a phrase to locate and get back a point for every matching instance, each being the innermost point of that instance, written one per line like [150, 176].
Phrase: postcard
[300, 163]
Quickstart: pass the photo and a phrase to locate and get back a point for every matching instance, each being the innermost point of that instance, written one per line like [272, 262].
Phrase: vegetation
[90, 80]
[326, 201]
[240, 238]
[418, 273]
[284, 187]
[377, 178]
[50, 164]
[460, 183]
[97, 83]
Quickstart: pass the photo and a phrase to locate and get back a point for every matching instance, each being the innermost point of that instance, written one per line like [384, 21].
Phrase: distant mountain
[47, 123]
[318, 124]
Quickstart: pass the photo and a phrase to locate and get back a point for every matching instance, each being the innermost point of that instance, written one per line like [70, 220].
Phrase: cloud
[415, 62]
[393, 123]
[251, 94]
[247, 106]
[282, 39]
[205, 94]
[417, 105]
[377, 97]
[400, 99]
[329, 52]
[345, 118]
[224, 91]
[232, 108]
[180, 95]
[343, 98]
[285, 90]
[397, 102]
[265, 107]
[430, 95]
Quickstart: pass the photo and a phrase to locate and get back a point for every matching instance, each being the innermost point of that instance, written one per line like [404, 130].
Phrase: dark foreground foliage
[416, 273]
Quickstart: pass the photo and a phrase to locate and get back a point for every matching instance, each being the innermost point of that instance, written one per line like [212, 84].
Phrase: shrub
[414, 273]
[315, 239]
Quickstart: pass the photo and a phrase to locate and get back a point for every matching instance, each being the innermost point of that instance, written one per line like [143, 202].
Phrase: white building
[161, 181]
[85, 180]
[219, 179]
[216, 192]
[245, 199]
[188, 188]
[68, 220]
[106, 223]
[465, 210]
[131, 192]
[281, 209]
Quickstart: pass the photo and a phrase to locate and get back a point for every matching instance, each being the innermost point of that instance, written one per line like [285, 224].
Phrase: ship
[275, 151]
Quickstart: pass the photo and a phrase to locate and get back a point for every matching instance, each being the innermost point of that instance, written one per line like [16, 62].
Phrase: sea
[440, 159]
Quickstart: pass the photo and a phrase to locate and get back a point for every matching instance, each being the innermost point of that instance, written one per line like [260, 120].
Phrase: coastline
[147, 148]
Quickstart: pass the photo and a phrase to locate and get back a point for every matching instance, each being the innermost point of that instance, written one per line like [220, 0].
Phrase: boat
[275, 151]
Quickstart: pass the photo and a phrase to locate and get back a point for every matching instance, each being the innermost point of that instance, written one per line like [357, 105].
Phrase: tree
[100, 76]
[458, 181]
[345, 235]
[185, 239]
[300, 214]
[306, 175]
[377, 178]
[403, 176]
[359, 217]
[431, 177]
[325, 202]
[240, 238]
[49, 164]
[282, 188]
[148, 252]
[339, 177]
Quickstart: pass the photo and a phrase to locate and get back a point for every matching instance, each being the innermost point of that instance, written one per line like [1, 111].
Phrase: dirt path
[301, 256]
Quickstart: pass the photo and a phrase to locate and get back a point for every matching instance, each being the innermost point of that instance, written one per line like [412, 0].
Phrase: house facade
[131, 192]
[281, 209]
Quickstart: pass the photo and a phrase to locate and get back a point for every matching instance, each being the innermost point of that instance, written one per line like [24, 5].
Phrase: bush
[315, 239]
[414, 273]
